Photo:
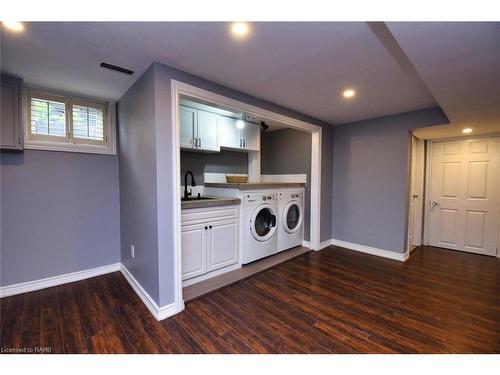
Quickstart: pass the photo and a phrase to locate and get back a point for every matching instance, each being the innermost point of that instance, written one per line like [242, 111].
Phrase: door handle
[434, 204]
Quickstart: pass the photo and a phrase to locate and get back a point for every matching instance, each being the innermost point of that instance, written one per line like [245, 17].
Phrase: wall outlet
[132, 251]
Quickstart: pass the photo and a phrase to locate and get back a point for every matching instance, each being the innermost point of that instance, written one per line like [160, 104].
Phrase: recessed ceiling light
[349, 93]
[15, 26]
[240, 124]
[240, 29]
[467, 130]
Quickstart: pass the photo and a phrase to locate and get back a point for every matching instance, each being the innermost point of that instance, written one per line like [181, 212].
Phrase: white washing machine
[259, 225]
[290, 219]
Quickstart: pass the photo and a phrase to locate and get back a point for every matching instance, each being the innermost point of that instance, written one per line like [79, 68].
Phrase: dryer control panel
[259, 197]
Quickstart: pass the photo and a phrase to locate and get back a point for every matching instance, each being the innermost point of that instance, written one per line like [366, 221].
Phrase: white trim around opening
[180, 88]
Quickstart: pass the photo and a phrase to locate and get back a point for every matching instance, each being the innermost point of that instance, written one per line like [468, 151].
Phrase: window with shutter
[67, 123]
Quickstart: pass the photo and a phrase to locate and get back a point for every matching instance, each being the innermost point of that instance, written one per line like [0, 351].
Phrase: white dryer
[259, 225]
[290, 219]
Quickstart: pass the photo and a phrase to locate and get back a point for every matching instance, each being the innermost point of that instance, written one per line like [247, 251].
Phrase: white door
[464, 195]
[223, 244]
[229, 133]
[188, 125]
[208, 134]
[194, 245]
[250, 135]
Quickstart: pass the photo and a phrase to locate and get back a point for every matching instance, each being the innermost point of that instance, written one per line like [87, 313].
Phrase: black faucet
[193, 184]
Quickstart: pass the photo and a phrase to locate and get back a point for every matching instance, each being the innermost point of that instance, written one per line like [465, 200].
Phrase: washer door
[263, 222]
[292, 217]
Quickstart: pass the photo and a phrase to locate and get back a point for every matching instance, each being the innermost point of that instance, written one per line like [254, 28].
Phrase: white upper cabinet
[11, 119]
[208, 131]
[250, 135]
[199, 129]
[229, 133]
[188, 120]
[247, 138]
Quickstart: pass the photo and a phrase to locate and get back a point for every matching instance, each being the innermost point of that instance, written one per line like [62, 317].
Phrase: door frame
[180, 88]
[417, 166]
[428, 157]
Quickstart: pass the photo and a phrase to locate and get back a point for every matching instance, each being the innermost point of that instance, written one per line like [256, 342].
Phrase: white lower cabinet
[223, 244]
[210, 242]
[194, 250]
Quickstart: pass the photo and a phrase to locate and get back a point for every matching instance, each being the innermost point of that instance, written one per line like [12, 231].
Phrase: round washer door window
[263, 223]
[292, 217]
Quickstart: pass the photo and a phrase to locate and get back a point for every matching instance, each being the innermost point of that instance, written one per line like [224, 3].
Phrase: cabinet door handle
[210, 226]
[200, 142]
[244, 143]
[240, 142]
[206, 228]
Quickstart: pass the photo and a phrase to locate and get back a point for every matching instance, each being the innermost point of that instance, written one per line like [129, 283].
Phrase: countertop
[217, 201]
[255, 185]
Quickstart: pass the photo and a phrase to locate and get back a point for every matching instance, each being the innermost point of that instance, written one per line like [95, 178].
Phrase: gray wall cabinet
[11, 114]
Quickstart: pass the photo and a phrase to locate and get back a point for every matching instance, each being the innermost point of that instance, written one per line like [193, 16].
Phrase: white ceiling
[303, 66]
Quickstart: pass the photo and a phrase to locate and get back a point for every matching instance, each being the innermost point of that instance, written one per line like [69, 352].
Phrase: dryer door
[263, 222]
[292, 217]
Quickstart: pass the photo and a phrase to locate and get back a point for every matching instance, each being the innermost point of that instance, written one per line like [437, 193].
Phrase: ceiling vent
[116, 68]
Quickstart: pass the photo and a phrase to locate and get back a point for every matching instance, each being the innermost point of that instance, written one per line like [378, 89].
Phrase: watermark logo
[26, 350]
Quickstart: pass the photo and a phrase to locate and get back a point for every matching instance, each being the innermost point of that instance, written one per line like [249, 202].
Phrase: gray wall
[370, 177]
[59, 214]
[165, 181]
[138, 182]
[288, 151]
[213, 162]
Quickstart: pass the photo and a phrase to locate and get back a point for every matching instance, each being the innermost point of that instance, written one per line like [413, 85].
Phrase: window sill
[66, 147]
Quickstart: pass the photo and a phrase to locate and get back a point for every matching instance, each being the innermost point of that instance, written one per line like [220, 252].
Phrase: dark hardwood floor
[332, 301]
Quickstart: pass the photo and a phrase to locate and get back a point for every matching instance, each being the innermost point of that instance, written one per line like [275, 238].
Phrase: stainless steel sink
[196, 199]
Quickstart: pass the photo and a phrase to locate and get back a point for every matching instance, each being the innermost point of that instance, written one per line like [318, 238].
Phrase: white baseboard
[371, 250]
[324, 244]
[321, 246]
[159, 313]
[30, 286]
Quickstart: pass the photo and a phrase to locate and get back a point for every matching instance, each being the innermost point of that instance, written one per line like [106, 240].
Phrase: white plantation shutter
[48, 117]
[67, 123]
[88, 123]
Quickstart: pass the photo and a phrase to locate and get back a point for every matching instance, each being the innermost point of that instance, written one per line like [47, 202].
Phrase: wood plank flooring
[331, 301]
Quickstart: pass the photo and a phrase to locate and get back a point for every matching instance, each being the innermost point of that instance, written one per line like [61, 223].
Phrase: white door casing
[413, 194]
[179, 88]
[416, 193]
[464, 195]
